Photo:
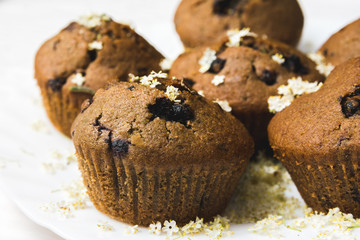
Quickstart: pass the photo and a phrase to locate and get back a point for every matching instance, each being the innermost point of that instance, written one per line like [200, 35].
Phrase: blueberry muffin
[343, 45]
[84, 57]
[245, 71]
[202, 22]
[317, 139]
[154, 150]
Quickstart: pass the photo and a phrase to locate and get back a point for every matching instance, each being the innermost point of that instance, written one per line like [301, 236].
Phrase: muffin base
[143, 195]
[325, 183]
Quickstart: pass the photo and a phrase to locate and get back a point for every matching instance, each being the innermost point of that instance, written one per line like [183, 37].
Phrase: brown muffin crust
[317, 140]
[202, 22]
[343, 45]
[251, 77]
[61, 57]
[147, 158]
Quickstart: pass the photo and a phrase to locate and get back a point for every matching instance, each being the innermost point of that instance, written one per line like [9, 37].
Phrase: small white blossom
[321, 65]
[193, 227]
[295, 87]
[218, 79]
[93, 20]
[104, 226]
[206, 60]
[201, 93]
[95, 45]
[78, 79]
[236, 35]
[170, 227]
[279, 58]
[150, 80]
[172, 93]
[166, 64]
[131, 229]
[279, 103]
[133, 78]
[224, 105]
[154, 83]
[155, 228]
[268, 226]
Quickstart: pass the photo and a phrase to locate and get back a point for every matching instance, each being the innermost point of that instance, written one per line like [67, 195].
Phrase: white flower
[93, 20]
[279, 103]
[131, 229]
[325, 69]
[133, 78]
[105, 226]
[224, 105]
[155, 228]
[218, 79]
[95, 45]
[172, 93]
[166, 64]
[193, 227]
[170, 227]
[236, 35]
[150, 80]
[321, 65]
[201, 93]
[295, 87]
[206, 60]
[78, 79]
[154, 83]
[279, 58]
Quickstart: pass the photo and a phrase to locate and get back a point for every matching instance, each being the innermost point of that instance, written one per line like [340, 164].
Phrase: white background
[24, 25]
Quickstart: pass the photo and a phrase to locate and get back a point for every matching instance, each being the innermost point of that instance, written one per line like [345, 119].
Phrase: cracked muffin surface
[342, 45]
[245, 73]
[156, 150]
[85, 56]
[202, 22]
[318, 141]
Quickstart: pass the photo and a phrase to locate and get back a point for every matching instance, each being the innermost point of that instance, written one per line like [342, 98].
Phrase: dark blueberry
[293, 64]
[92, 55]
[350, 103]
[253, 68]
[70, 27]
[189, 82]
[325, 52]
[224, 7]
[56, 83]
[268, 77]
[217, 65]
[170, 111]
[350, 107]
[131, 88]
[120, 147]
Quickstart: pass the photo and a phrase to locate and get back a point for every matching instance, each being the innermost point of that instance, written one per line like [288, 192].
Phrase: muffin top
[159, 122]
[323, 122]
[200, 22]
[343, 45]
[91, 52]
[245, 72]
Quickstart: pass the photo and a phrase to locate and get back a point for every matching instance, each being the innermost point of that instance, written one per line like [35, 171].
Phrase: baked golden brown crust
[202, 22]
[251, 77]
[343, 45]
[318, 141]
[147, 158]
[60, 58]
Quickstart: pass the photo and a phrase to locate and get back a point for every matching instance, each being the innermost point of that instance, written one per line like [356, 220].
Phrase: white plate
[26, 24]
